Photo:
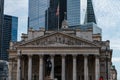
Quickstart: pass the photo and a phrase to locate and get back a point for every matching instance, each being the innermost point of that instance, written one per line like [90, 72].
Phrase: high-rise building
[55, 14]
[9, 32]
[90, 15]
[37, 10]
[50, 13]
[1, 11]
[70, 7]
[1, 24]
[73, 12]
[3, 70]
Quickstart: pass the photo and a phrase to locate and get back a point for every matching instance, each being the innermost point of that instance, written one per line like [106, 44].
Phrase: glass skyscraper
[37, 10]
[90, 14]
[55, 14]
[73, 12]
[51, 19]
[79, 11]
[1, 11]
[42, 13]
[1, 24]
[9, 32]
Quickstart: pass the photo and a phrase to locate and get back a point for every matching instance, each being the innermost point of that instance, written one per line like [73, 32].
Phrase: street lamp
[106, 54]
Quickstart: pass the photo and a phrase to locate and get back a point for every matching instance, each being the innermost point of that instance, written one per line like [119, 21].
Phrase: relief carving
[59, 39]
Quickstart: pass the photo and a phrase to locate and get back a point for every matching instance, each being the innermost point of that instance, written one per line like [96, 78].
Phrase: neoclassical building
[76, 54]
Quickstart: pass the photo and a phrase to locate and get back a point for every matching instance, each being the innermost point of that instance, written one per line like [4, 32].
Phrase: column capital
[29, 55]
[18, 56]
[74, 55]
[85, 55]
[52, 55]
[97, 56]
[41, 55]
[19, 52]
[63, 55]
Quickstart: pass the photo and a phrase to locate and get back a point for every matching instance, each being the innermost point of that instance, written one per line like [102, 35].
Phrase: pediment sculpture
[58, 39]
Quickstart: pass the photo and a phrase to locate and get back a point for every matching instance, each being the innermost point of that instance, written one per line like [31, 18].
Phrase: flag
[57, 12]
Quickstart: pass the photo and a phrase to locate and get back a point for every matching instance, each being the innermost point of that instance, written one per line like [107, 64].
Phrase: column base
[48, 78]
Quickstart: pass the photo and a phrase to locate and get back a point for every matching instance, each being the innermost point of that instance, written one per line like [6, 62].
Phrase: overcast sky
[107, 14]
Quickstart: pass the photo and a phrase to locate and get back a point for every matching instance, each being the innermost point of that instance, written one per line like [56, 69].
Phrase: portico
[78, 58]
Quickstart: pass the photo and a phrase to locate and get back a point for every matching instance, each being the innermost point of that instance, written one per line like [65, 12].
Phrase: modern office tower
[4, 70]
[55, 14]
[37, 9]
[51, 16]
[42, 13]
[1, 23]
[1, 12]
[50, 13]
[73, 12]
[70, 7]
[90, 15]
[9, 32]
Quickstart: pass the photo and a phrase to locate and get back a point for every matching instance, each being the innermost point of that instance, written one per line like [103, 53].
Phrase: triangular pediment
[58, 39]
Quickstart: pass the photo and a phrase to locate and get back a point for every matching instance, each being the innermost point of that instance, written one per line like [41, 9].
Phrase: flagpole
[58, 15]
[47, 14]
[58, 22]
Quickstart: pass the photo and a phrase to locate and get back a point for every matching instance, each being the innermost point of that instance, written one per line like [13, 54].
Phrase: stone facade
[75, 55]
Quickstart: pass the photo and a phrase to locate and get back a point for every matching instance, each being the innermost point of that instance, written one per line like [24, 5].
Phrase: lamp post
[106, 54]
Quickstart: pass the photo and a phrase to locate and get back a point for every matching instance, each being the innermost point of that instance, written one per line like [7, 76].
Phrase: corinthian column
[29, 67]
[74, 67]
[85, 67]
[40, 67]
[52, 71]
[63, 67]
[18, 68]
[97, 68]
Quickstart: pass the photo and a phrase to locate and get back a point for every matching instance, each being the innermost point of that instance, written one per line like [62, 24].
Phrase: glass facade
[85, 27]
[73, 12]
[42, 13]
[55, 12]
[83, 10]
[90, 15]
[14, 29]
[9, 34]
[51, 19]
[3, 70]
[1, 24]
[37, 10]
[1, 11]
